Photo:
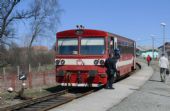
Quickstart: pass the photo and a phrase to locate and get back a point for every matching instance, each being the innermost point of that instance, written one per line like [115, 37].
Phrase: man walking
[164, 65]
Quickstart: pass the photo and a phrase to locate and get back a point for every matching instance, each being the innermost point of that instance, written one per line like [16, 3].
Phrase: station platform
[105, 99]
[154, 95]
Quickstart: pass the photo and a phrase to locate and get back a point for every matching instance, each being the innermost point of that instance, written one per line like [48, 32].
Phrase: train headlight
[102, 62]
[62, 62]
[57, 62]
[96, 62]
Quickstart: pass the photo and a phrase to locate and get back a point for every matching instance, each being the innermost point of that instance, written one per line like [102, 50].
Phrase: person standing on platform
[148, 59]
[110, 64]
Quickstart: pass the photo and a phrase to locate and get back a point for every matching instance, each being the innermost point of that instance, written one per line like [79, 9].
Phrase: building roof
[167, 44]
[140, 48]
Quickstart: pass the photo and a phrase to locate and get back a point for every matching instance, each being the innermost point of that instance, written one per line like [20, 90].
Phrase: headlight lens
[96, 62]
[57, 62]
[62, 62]
[102, 62]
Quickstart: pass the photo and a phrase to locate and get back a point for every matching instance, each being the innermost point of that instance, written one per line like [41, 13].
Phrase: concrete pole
[152, 36]
[163, 25]
[153, 46]
[164, 38]
[152, 49]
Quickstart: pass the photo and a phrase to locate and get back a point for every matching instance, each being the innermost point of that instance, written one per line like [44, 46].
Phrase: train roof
[86, 32]
[89, 32]
[121, 37]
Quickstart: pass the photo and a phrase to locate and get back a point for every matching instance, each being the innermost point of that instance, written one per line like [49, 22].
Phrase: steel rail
[33, 101]
[47, 102]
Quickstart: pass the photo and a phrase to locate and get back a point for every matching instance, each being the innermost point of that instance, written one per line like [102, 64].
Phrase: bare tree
[46, 18]
[43, 16]
[15, 54]
[8, 15]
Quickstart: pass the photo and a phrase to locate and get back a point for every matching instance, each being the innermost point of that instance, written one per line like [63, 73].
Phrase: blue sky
[135, 19]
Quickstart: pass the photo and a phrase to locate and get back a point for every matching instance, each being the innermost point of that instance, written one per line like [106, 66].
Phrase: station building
[167, 49]
[144, 52]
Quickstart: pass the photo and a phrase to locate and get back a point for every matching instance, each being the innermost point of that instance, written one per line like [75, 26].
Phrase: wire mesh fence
[35, 77]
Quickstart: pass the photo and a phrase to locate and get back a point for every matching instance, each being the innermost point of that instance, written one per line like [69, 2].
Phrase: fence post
[17, 77]
[18, 71]
[4, 74]
[29, 68]
[30, 76]
[39, 66]
[44, 78]
[30, 79]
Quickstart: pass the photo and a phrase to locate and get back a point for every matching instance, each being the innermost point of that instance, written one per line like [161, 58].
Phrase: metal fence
[34, 79]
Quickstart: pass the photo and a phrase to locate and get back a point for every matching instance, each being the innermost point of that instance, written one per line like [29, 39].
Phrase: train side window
[111, 44]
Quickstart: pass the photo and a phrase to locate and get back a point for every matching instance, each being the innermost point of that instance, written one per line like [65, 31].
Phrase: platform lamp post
[152, 36]
[163, 25]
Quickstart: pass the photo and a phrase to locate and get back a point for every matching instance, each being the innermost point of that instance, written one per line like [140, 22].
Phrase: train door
[115, 43]
[112, 44]
[113, 47]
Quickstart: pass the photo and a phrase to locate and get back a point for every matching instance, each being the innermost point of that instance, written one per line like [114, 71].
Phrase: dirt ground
[7, 99]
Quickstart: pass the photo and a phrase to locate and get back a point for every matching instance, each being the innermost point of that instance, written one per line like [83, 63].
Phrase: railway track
[50, 101]
[56, 99]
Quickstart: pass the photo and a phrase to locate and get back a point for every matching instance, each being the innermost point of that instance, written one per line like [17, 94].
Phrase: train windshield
[92, 46]
[68, 46]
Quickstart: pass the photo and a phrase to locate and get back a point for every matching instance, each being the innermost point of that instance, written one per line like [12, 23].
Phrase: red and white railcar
[81, 54]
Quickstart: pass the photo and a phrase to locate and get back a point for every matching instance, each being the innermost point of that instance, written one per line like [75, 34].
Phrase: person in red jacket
[148, 59]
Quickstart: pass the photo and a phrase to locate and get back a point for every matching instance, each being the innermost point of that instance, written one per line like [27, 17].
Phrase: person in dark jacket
[117, 53]
[110, 64]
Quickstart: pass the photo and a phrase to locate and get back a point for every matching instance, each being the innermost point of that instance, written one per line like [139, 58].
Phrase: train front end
[80, 58]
